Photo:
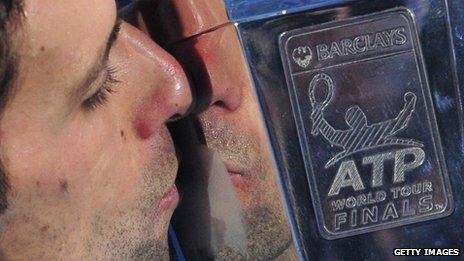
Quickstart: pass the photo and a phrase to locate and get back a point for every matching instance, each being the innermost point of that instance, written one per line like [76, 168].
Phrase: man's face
[233, 128]
[84, 145]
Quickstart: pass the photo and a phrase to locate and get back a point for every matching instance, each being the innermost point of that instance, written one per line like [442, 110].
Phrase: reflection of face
[231, 122]
[90, 163]
[234, 129]
[232, 125]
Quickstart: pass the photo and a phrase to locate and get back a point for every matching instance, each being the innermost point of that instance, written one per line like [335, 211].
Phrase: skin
[230, 122]
[88, 184]
[233, 128]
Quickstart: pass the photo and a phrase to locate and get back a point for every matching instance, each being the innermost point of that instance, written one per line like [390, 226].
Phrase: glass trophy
[362, 104]
[324, 129]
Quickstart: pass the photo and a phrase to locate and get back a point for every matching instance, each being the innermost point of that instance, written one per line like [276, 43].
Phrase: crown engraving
[302, 56]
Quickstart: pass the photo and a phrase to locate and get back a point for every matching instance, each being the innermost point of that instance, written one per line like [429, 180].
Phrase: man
[88, 166]
[199, 35]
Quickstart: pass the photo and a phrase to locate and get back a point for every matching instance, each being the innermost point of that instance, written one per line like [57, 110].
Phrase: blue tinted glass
[122, 3]
[252, 9]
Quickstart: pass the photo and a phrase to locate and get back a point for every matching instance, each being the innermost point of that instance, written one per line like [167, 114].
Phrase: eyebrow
[94, 72]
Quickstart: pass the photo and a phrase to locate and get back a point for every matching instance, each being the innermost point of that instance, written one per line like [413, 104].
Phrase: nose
[217, 68]
[166, 94]
[214, 62]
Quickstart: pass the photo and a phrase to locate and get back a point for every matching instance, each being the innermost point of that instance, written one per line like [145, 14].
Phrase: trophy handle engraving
[316, 115]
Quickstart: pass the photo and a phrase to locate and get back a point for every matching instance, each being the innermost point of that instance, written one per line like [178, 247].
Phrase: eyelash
[107, 87]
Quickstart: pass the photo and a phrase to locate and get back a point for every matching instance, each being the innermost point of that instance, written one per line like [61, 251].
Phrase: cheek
[102, 161]
[85, 162]
[148, 115]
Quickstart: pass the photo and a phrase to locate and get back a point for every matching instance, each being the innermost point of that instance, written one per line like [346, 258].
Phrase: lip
[239, 180]
[169, 200]
[234, 173]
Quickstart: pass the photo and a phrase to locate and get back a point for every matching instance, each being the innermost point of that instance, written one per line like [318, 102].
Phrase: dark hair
[8, 68]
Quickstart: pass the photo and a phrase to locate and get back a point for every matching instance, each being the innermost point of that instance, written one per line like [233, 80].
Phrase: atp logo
[366, 126]
[302, 56]
[360, 135]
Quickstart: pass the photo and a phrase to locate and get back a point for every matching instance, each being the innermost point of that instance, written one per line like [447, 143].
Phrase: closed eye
[100, 97]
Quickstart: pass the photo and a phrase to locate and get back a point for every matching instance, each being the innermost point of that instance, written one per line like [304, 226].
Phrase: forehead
[66, 29]
[59, 43]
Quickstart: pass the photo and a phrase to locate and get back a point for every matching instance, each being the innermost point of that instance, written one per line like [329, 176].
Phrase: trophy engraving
[360, 136]
[302, 56]
[366, 125]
